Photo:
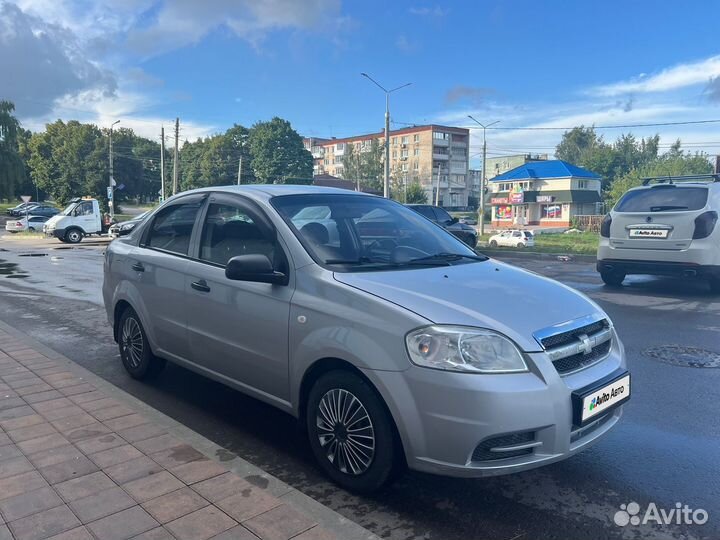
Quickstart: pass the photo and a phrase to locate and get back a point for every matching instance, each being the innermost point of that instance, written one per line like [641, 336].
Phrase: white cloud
[672, 78]
[436, 11]
[185, 22]
[45, 62]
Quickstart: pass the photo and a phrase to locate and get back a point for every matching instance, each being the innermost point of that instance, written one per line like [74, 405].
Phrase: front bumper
[444, 418]
[54, 233]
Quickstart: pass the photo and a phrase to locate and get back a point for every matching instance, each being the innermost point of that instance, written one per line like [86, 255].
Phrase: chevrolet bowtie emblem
[585, 345]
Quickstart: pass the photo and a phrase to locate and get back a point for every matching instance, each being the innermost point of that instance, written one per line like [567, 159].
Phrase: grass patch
[585, 243]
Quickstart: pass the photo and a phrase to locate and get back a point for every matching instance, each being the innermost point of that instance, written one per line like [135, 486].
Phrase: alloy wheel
[345, 431]
[132, 342]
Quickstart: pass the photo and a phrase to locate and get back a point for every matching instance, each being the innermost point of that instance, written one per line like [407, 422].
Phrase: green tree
[69, 160]
[674, 163]
[12, 169]
[416, 194]
[278, 152]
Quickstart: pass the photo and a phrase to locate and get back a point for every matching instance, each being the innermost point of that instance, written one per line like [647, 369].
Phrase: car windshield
[68, 209]
[364, 233]
[663, 198]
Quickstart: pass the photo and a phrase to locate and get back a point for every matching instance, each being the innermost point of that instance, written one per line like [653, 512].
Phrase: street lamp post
[481, 217]
[386, 183]
[111, 186]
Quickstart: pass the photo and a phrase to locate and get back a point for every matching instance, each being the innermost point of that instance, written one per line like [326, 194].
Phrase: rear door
[661, 217]
[158, 269]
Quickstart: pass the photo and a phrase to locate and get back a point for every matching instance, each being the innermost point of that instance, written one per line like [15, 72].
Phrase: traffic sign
[109, 193]
[26, 198]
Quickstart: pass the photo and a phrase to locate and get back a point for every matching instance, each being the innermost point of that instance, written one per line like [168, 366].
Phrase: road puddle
[11, 270]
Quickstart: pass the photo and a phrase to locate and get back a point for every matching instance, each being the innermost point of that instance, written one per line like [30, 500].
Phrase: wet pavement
[666, 449]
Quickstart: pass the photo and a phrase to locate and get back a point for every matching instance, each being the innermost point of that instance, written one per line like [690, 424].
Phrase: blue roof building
[544, 193]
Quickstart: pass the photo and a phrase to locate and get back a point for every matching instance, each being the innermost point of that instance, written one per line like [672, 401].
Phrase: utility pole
[386, 183]
[437, 188]
[483, 172]
[111, 182]
[175, 156]
[240, 169]
[162, 163]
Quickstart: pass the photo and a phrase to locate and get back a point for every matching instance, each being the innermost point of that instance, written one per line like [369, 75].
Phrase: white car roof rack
[713, 177]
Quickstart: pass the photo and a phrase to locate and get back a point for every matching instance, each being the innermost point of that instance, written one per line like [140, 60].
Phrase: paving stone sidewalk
[76, 464]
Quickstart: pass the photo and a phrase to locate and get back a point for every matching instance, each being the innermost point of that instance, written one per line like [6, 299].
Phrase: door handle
[201, 286]
[138, 267]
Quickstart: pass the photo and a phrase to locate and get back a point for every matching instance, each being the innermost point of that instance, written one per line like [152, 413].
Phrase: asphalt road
[665, 450]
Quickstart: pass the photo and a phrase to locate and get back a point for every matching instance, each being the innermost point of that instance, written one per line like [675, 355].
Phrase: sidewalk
[80, 459]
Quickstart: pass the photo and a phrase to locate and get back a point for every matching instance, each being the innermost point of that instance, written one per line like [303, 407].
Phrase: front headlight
[127, 227]
[465, 349]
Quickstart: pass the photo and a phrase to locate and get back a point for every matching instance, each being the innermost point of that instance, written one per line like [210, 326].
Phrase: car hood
[53, 220]
[486, 294]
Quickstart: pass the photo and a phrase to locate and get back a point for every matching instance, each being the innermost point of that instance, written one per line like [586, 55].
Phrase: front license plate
[590, 403]
[648, 233]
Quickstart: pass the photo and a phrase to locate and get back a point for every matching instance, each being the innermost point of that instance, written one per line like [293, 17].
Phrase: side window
[426, 211]
[442, 215]
[228, 232]
[517, 234]
[172, 228]
[84, 209]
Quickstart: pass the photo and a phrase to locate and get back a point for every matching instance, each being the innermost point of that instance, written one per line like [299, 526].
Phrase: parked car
[29, 223]
[82, 217]
[463, 231]
[468, 221]
[393, 343]
[43, 210]
[513, 238]
[667, 226]
[125, 227]
[20, 209]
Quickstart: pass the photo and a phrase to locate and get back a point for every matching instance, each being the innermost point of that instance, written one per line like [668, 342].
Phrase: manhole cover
[684, 356]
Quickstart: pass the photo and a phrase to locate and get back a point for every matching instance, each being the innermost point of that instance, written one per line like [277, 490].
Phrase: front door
[85, 217]
[239, 329]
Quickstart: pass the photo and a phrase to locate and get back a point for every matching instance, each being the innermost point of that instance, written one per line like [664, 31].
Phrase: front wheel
[73, 236]
[613, 278]
[138, 359]
[350, 432]
[493, 243]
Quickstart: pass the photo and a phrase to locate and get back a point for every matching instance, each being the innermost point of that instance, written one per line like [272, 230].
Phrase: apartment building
[544, 193]
[417, 154]
[502, 164]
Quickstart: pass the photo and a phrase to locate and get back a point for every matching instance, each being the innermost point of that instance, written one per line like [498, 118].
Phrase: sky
[523, 63]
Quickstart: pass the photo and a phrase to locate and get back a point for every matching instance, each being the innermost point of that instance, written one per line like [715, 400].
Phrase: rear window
[663, 199]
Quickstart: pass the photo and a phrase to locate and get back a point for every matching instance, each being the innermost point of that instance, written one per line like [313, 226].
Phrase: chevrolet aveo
[392, 341]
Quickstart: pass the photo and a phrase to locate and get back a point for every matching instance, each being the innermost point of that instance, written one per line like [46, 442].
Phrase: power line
[550, 128]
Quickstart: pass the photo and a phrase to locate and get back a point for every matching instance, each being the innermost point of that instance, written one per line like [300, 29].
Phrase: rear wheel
[73, 236]
[520, 245]
[350, 432]
[613, 278]
[138, 359]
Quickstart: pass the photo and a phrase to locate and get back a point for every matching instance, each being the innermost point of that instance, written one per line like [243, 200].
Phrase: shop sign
[545, 198]
[499, 200]
[517, 197]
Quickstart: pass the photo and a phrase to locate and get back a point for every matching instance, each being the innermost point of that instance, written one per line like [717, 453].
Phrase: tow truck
[81, 218]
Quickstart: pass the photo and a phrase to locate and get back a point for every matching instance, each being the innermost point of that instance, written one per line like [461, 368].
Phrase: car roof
[677, 185]
[267, 191]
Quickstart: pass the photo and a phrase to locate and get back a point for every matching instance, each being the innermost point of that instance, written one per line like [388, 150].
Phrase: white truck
[82, 217]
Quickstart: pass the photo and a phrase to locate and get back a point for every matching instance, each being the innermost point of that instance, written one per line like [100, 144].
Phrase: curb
[327, 518]
[500, 253]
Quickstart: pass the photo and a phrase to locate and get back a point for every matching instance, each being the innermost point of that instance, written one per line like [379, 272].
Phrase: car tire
[135, 353]
[612, 278]
[520, 245]
[493, 244]
[355, 467]
[73, 236]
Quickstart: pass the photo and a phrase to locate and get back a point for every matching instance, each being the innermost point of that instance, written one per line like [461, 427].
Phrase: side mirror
[256, 268]
[453, 221]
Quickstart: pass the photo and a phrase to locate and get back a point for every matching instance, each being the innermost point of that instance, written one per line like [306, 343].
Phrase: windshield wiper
[445, 257]
[359, 260]
[663, 208]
